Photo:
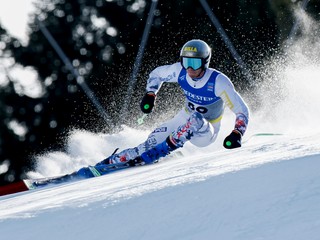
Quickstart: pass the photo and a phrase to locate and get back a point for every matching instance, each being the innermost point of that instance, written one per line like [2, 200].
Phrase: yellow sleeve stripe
[216, 120]
[226, 99]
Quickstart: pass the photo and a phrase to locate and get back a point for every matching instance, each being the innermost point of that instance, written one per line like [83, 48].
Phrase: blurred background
[79, 65]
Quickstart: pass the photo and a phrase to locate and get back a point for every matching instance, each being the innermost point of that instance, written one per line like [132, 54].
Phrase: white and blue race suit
[207, 95]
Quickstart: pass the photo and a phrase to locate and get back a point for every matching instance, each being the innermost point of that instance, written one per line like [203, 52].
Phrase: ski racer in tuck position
[207, 91]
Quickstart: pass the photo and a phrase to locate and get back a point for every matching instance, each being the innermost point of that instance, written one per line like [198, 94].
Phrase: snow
[263, 191]
[15, 19]
[267, 189]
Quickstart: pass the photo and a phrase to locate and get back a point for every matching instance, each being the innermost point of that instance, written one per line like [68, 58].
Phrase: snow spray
[290, 84]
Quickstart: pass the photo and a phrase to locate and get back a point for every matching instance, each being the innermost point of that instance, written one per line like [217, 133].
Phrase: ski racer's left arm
[166, 73]
[232, 99]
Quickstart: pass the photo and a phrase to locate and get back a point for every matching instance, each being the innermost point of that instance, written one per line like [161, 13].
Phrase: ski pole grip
[141, 119]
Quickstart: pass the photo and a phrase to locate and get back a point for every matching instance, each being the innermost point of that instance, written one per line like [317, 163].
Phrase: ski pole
[141, 119]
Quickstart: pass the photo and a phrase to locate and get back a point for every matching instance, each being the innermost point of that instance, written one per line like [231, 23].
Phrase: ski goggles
[194, 63]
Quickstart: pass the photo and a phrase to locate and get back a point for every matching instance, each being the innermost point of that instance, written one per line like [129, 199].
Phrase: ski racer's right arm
[226, 90]
[166, 73]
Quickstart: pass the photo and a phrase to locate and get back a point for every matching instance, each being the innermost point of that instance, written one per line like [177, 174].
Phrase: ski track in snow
[269, 189]
[110, 189]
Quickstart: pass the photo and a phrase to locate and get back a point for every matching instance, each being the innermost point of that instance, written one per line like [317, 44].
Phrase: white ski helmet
[195, 54]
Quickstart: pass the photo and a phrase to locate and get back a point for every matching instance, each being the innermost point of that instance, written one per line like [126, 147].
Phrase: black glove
[233, 140]
[147, 102]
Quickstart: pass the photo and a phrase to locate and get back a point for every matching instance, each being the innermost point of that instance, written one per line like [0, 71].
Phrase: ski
[83, 173]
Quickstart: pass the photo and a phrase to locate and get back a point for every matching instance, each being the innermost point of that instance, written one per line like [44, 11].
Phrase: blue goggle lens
[194, 63]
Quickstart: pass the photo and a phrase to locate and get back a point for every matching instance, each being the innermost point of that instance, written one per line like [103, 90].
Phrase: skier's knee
[197, 121]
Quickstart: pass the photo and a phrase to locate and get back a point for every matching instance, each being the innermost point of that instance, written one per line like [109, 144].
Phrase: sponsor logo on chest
[197, 98]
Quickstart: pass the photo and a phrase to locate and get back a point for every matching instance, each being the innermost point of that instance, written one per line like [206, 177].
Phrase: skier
[207, 91]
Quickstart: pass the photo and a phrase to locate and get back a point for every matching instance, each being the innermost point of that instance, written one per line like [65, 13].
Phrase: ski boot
[120, 158]
[160, 150]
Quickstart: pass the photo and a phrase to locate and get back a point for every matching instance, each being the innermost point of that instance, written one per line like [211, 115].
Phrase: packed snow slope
[267, 189]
